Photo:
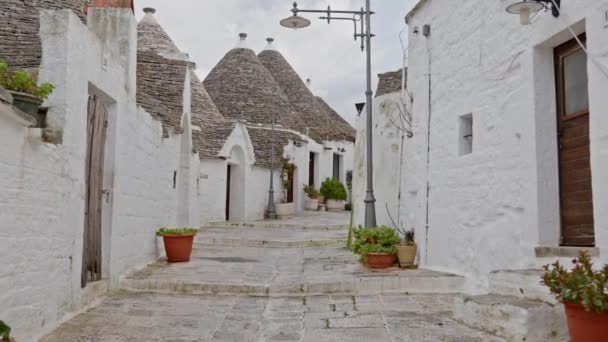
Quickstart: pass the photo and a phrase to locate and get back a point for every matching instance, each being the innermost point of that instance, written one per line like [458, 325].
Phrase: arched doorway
[235, 185]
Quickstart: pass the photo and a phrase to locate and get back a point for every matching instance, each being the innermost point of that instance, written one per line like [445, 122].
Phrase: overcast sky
[327, 54]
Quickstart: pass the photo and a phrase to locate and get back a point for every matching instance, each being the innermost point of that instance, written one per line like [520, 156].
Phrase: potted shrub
[178, 243]
[377, 247]
[5, 332]
[286, 208]
[407, 249]
[27, 94]
[334, 193]
[584, 293]
[312, 203]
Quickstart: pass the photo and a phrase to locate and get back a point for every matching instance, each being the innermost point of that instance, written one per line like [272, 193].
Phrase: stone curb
[359, 285]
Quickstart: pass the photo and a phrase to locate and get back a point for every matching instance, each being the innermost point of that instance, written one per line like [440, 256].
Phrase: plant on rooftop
[21, 81]
[584, 293]
[5, 332]
[178, 243]
[27, 94]
[376, 247]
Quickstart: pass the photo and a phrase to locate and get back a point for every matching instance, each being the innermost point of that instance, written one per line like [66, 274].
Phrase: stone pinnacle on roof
[243, 89]
[152, 37]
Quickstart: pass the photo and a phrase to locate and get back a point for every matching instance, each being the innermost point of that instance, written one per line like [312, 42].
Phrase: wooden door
[290, 184]
[576, 200]
[97, 115]
[336, 167]
[228, 180]
[311, 169]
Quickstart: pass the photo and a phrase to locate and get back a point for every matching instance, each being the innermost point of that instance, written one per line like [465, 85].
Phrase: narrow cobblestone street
[268, 281]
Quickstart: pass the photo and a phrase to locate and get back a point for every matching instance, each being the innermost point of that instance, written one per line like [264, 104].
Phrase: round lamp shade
[525, 6]
[295, 22]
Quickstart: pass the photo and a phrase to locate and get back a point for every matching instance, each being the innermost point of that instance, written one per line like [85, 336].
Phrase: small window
[466, 134]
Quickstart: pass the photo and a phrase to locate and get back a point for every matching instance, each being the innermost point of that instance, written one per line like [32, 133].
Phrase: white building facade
[510, 174]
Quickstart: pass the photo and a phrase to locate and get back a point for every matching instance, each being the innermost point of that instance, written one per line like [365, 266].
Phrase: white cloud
[327, 54]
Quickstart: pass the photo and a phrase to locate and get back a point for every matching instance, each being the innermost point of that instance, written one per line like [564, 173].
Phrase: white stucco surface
[387, 139]
[42, 197]
[489, 210]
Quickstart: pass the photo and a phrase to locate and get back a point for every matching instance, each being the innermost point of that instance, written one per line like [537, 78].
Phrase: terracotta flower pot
[586, 326]
[178, 247]
[380, 260]
[321, 199]
[407, 255]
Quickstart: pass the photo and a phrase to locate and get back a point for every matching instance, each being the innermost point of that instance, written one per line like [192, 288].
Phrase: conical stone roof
[303, 101]
[214, 129]
[152, 37]
[160, 80]
[243, 89]
[343, 129]
[75, 5]
[19, 27]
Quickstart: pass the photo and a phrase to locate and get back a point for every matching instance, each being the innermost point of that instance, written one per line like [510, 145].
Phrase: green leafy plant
[581, 285]
[21, 81]
[5, 332]
[374, 240]
[176, 231]
[311, 191]
[332, 189]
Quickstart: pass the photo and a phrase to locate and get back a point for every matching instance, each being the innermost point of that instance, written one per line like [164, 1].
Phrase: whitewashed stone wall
[42, 185]
[490, 209]
[387, 162]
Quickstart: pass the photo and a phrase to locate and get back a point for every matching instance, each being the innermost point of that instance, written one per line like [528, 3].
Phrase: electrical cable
[590, 56]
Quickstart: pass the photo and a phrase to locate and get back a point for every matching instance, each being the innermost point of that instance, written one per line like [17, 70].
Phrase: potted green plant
[377, 247]
[178, 243]
[27, 94]
[312, 203]
[407, 249]
[5, 332]
[334, 193]
[584, 293]
[286, 208]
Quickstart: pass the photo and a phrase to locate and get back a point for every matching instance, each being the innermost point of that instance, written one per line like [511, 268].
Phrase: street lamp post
[271, 213]
[364, 17]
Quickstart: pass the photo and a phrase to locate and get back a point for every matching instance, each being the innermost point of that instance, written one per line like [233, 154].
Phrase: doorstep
[564, 252]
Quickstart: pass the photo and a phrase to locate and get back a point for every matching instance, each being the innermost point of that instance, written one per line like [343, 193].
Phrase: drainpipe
[427, 34]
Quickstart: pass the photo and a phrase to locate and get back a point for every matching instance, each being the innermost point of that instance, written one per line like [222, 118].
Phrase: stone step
[239, 242]
[358, 285]
[521, 284]
[276, 225]
[513, 318]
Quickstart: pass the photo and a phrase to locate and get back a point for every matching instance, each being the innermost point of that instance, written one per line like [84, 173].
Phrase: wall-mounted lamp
[360, 107]
[526, 7]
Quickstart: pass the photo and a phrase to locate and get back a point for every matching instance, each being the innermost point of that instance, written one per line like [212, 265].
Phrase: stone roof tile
[152, 37]
[261, 138]
[390, 82]
[342, 129]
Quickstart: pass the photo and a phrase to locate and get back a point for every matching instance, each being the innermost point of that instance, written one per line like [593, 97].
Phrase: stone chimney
[242, 44]
[112, 4]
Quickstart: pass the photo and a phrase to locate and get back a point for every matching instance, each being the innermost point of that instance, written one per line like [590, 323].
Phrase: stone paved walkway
[295, 286]
[126, 317]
